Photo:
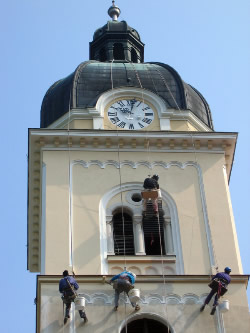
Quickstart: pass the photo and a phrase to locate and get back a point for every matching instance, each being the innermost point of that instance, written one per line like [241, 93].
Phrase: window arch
[118, 52]
[146, 325]
[171, 225]
[123, 234]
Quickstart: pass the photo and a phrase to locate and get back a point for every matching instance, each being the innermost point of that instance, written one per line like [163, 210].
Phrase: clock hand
[129, 117]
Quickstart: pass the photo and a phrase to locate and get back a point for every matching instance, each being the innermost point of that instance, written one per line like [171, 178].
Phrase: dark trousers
[210, 295]
[67, 301]
[122, 285]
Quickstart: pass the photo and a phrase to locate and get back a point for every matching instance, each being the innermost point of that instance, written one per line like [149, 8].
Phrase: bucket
[79, 303]
[224, 306]
[134, 295]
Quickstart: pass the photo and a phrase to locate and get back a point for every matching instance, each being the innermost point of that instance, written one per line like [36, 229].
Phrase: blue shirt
[223, 276]
[63, 284]
[124, 274]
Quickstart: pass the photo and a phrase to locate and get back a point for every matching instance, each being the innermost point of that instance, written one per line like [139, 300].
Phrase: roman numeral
[121, 103]
[146, 108]
[149, 114]
[141, 125]
[131, 126]
[112, 114]
[122, 124]
[138, 104]
[147, 120]
[114, 120]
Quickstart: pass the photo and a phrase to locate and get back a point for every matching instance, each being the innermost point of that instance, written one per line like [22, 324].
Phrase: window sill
[142, 259]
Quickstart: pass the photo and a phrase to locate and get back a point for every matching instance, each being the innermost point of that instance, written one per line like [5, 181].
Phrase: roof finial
[114, 11]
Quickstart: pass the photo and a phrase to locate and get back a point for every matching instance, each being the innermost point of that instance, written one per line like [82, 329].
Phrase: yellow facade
[81, 185]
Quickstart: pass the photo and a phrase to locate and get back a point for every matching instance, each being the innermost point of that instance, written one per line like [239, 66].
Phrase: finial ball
[114, 11]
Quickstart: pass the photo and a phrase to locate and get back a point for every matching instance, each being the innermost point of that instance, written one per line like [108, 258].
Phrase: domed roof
[115, 27]
[91, 79]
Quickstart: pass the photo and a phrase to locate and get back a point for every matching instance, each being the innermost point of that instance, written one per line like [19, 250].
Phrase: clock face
[130, 114]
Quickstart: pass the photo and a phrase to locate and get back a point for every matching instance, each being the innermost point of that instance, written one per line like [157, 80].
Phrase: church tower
[104, 129]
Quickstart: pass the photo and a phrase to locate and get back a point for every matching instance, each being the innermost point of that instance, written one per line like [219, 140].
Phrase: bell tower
[104, 129]
[116, 41]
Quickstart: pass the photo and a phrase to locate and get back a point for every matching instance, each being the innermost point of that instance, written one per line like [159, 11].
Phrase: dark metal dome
[116, 27]
[91, 79]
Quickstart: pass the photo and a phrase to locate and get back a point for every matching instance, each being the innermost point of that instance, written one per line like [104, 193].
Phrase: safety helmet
[156, 177]
[132, 274]
[227, 270]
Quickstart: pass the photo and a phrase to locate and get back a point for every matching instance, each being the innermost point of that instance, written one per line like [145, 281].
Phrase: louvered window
[118, 52]
[153, 232]
[123, 234]
[146, 326]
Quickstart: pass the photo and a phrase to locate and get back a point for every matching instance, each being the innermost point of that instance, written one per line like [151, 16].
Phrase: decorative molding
[170, 298]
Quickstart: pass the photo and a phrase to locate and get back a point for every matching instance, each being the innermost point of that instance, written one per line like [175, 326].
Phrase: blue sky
[207, 42]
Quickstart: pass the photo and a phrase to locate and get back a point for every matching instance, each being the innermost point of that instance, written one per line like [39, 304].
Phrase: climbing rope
[71, 258]
[213, 264]
[121, 197]
[158, 218]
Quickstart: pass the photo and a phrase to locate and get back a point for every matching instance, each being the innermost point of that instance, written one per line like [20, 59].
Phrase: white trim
[148, 96]
[136, 134]
[165, 124]
[43, 219]
[102, 223]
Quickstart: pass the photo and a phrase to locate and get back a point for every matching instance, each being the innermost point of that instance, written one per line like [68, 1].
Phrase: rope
[119, 170]
[196, 161]
[70, 199]
[159, 229]
[143, 102]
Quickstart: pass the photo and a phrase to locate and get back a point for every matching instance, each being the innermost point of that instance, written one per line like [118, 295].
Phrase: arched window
[118, 52]
[123, 234]
[134, 56]
[103, 55]
[146, 326]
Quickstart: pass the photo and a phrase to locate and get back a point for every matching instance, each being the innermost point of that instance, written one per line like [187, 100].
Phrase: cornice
[101, 279]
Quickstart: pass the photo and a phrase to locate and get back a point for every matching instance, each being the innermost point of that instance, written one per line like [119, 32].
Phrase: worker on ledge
[123, 282]
[151, 184]
[67, 287]
[218, 285]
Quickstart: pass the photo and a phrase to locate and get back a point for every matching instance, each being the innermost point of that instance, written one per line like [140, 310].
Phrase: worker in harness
[68, 287]
[218, 285]
[151, 183]
[123, 282]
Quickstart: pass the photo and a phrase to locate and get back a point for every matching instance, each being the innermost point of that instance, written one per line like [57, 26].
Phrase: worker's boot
[213, 310]
[83, 316]
[65, 320]
[203, 307]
